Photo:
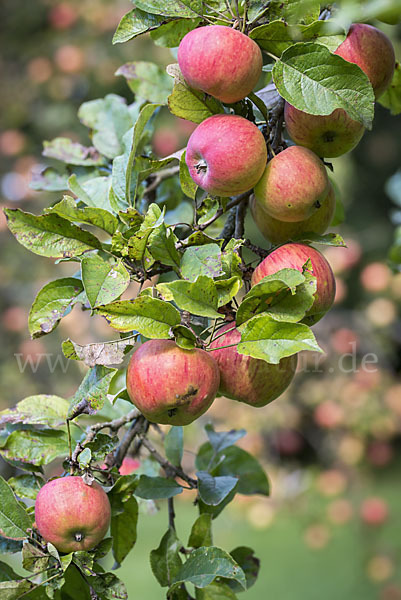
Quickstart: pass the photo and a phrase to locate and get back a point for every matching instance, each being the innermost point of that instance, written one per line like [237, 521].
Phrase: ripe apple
[327, 135]
[129, 465]
[220, 61]
[226, 155]
[372, 51]
[294, 256]
[71, 514]
[293, 185]
[247, 379]
[170, 385]
[278, 232]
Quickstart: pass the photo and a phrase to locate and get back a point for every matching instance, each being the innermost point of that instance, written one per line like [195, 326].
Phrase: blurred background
[332, 444]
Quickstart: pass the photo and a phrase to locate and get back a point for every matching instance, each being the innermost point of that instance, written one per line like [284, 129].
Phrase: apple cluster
[227, 156]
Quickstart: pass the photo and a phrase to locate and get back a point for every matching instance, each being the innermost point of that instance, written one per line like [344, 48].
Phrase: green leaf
[35, 447]
[96, 194]
[223, 439]
[234, 462]
[169, 35]
[213, 490]
[248, 562]
[49, 180]
[108, 587]
[103, 353]
[101, 446]
[294, 11]
[201, 532]
[201, 260]
[13, 590]
[6, 572]
[216, 591]
[150, 317]
[91, 394]
[190, 104]
[227, 289]
[14, 520]
[72, 153]
[134, 23]
[184, 337]
[109, 119]
[172, 8]
[263, 337]
[174, 445]
[165, 560]
[161, 245]
[188, 185]
[147, 80]
[103, 282]
[49, 235]
[67, 209]
[34, 559]
[52, 303]
[277, 36]
[315, 81]
[391, 98]
[328, 239]
[199, 298]
[42, 409]
[205, 564]
[84, 458]
[123, 530]
[154, 488]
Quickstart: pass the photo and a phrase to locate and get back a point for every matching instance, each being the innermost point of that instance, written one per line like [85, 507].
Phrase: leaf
[201, 260]
[9, 547]
[213, 490]
[227, 289]
[13, 590]
[263, 337]
[216, 591]
[34, 559]
[95, 193]
[391, 98]
[205, 564]
[184, 337]
[101, 446]
[190, 104]
[134, 23]
[173, 445]
[153, 488]
[162, 246]
[108, 587]
[103, 282]
[201, 532]
[248, 562]
[51, 304]
[84, 458]
[102, 353]
[328, 239]
[6, 572]
[165, 560]
[90, 396]
[317, 82]
[35, 447]
[123, 530]
[147, 80]
[67, 209]
[14, 520]
[42, 409]
[234, 462]
[49, 179]
[169, 35]
[49, 235]
[188, 185]
[172, 8]
[199, 298]
[150, 317]
[72, 153]
[223, 439]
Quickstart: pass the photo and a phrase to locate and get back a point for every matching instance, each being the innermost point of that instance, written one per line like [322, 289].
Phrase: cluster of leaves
[127, 216]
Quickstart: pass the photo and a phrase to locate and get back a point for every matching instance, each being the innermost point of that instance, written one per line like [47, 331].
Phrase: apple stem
[221, 335]
[221, 347]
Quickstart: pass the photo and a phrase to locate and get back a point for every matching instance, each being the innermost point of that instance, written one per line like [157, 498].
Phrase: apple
[294, 256]
[293, 185]
[220, 61]
[326, 135]
[129, 465]
[277, 231]
[247, 379]
[226, 155]
[372, 51]
[170, 385]
[71, 514]
[374, 511]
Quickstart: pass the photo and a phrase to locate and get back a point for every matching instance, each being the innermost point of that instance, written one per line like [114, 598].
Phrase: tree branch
[167, 465]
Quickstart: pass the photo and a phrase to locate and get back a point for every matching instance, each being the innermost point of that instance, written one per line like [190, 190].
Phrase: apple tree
[212, 312]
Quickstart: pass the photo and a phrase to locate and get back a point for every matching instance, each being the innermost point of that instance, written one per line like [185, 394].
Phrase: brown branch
[234, 202]
[168, 467]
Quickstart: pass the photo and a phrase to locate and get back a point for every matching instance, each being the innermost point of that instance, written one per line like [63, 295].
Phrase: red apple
[374, 511]
[293, 185]
[294, 256]
[226, 155]
[221, 61]
[170, 385]
[129, 465]
[277, 231]
[249, 379]
[71, 514]
[372, 51]
[327, 135]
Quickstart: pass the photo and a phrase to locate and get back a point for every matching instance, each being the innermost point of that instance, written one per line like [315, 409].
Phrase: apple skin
[293, 185]
[294, 256]
[247, 379]
[278, 232]
[226, 155]
[67, 509]
[220, 61]
[169, 385]
[372, 51]
[328, 136]
[129, 465]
